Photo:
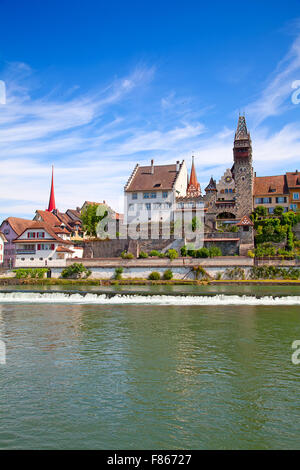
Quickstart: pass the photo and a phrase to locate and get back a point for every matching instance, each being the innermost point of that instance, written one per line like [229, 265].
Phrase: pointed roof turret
[193, 187]
[242, 131]
[51, 205]
[212, 186]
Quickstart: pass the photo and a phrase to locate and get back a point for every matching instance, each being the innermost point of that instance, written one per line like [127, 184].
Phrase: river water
[94, 374]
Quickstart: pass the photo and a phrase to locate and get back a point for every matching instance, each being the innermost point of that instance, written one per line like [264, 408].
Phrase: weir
[143, 298]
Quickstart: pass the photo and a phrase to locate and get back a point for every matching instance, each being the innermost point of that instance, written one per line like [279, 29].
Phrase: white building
[151, 192]
[2, 241]
[41, 245]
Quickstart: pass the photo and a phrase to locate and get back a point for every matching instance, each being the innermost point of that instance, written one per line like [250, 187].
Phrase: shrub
[75, 271]
[154, 253]
[290, 239]
[219, 276]
[32, 273]
[265, 249]
[126, 255]
[214, 251]
[172, 254]
[118, 273]
[235, 273]
[154, 276]
[251, 254]
[202, 253]
[200, 272]
[168, 274]
[191, 253]
[143, 254]
[183, 251]
[274, 272]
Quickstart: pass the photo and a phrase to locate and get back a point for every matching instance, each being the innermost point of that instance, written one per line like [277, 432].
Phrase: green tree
[260, 211]
[91, 217]
[278, 210]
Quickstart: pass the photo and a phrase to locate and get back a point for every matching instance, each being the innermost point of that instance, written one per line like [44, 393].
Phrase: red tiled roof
[293, 179]
[63, 249]
[270, 185]
[48, 217]
[74, 214]
[35, 225]
[18, 225]
[245, 221]
[162, 178]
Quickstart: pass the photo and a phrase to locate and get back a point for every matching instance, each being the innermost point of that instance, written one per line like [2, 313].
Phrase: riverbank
[142, 282]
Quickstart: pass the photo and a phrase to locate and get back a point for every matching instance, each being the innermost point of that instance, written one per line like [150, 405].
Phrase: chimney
[104, 202]
[177, 165]
[152, 167]
[296, 172]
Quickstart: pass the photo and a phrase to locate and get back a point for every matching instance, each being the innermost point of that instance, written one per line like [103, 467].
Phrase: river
[88, 374]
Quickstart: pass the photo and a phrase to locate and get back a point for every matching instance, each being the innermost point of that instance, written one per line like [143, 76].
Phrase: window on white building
[146, 195]
[280, 199]
[153, 195]
[134, 196]
[165, 194]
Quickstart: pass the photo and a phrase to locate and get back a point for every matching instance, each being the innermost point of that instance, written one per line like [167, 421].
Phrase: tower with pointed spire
[51, 205]
[193, 188]
[242, 169]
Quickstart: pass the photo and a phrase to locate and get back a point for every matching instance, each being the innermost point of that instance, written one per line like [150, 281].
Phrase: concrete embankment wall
[182, 268]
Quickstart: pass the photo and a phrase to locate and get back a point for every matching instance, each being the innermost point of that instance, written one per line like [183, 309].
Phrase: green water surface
[149, 377]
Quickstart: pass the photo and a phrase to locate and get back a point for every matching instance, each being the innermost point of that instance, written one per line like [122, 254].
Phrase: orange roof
[147, 178]
[18, 225]
[293, 179]
[63, 249]
[245, 221]
[48, 217]
[41, 225]
[270, 184]
[193, 177]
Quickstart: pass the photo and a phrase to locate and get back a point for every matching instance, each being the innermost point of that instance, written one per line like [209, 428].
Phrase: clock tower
[242, 170]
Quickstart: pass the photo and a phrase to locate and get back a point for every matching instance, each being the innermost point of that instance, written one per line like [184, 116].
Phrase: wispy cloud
[275, 98]
[95, 138]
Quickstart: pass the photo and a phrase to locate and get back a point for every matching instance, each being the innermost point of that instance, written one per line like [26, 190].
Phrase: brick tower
[242, 170]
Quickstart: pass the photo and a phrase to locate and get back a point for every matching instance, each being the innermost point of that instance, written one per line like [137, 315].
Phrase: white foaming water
[103, 299]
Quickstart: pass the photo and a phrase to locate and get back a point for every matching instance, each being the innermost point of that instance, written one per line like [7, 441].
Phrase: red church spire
[193, 186]
[51, 205]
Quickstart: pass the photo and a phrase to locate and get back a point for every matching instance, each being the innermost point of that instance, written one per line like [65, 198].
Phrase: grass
[141, 282]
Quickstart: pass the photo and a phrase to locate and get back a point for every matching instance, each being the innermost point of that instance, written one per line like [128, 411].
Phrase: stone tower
[242, 170]
[210, 202]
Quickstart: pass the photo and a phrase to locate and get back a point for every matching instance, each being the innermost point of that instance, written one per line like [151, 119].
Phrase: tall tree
[91, 217]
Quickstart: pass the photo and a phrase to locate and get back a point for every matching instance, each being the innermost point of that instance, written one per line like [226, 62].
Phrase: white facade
[155, 205]
[37, 248]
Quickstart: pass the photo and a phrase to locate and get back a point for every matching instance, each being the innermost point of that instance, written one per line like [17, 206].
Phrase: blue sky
[94, 87]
